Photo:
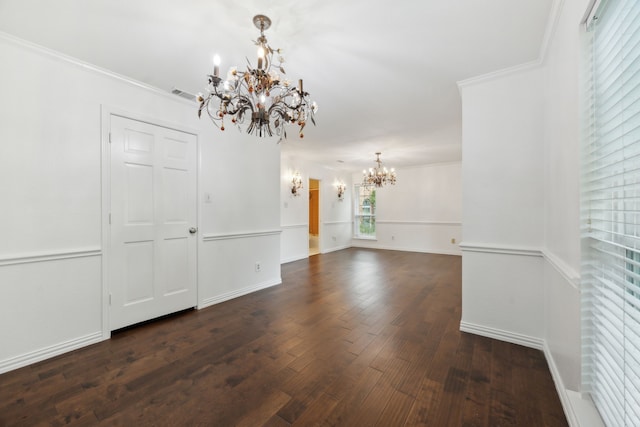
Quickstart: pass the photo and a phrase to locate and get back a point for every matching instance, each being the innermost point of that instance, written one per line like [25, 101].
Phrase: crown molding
[547, 38]
[550, 30]
[44, 51]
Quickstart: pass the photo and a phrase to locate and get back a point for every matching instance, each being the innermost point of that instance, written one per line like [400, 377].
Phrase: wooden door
[314, 210]
[153, 236]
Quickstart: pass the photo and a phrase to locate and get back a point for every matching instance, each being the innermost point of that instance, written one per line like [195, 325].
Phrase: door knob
[193, 230]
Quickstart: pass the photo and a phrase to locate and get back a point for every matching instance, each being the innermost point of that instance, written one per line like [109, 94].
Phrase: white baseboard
[562, 391]
[584, 411]
[580, 411]
[294, 258]
[499, 334]
[51, 351]
[238, 293]
[355, 244]
[335, 249]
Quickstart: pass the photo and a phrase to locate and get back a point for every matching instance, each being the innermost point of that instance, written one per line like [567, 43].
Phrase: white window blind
[611, 206]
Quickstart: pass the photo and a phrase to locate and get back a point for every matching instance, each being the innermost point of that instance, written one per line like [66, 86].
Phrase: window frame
[359, 215]
[610, 283]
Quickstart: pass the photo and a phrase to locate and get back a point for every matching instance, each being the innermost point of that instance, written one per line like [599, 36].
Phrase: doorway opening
[314, 216]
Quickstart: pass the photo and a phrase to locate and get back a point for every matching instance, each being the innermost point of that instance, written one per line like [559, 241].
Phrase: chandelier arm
[278, 109]
[205, 106]
[280, 120]
[243, 104]
[213, 118]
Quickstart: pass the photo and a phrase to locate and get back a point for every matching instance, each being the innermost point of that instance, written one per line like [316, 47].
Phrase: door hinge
[109, 217]
[109, 137]
[109, 299]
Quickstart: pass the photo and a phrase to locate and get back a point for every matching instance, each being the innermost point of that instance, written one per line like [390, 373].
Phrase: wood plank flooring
[351, 338]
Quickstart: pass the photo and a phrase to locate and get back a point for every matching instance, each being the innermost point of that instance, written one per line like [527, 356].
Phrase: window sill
[373, 239]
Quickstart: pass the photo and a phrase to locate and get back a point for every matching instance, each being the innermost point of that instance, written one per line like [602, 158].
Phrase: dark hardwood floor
[352, 338]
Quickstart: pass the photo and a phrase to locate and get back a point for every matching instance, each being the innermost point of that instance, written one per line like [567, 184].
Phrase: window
[365, 212]
[611, 210]
[633, 273]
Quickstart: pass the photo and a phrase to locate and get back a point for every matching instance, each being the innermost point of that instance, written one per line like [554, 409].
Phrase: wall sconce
[341, 187]
[296, 184]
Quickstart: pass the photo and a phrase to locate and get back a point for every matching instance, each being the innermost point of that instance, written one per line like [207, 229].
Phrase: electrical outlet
[258, 267]
[453, 240]
[393, 237]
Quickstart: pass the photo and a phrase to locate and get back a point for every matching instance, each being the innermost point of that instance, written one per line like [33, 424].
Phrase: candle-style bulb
[216, 65]
[260, 57]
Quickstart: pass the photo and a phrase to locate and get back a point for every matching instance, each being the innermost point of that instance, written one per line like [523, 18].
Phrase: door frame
[320, 225]
[106, 112]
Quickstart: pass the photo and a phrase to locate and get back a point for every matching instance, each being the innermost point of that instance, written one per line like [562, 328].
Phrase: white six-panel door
[153, 236]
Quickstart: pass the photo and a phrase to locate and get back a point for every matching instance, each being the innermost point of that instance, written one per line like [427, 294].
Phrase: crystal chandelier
[261, 95]
[379, 175]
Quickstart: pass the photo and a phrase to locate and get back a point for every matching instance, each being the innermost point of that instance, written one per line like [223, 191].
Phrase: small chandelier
[378, 176]
[260, 94]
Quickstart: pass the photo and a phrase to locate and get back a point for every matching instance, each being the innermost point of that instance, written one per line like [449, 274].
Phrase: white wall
[502, 159]
[51, 250]
[241, 225]
[421, 213]
[335, 220]
[561, 126]
[521, 168]
[502, 172]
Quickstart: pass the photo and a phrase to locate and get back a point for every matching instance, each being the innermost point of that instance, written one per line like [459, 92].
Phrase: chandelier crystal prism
[379, 175]
[261, 95]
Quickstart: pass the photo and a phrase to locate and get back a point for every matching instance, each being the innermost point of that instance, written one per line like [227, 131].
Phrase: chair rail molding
[500, 249]
[294, 226]
[242, 235]
[569, 274]
[401, 222]
[50, 256]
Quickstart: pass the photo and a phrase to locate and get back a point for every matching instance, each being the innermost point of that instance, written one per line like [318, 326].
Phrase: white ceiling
[384, 73]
